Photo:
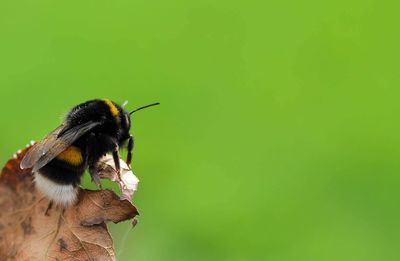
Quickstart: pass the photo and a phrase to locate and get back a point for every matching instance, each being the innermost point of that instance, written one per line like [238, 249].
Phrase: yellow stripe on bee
[114, 110]
[72, 155]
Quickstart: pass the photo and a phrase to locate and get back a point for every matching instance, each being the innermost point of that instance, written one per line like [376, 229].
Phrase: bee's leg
[95, 176]
[130, 150]
[92, 159]
[112, 143]
[116, 161]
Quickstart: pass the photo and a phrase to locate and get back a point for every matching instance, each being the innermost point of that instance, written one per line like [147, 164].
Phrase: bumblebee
[90, 131]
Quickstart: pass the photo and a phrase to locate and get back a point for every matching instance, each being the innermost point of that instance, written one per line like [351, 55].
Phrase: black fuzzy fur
[107, 137]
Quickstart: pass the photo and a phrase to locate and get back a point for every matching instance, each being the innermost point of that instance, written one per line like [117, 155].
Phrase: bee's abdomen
[61, 194]
[67, 167]
[72, 155]
[59, 179]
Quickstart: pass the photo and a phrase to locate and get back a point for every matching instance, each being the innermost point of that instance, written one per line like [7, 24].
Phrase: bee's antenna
[138, 109]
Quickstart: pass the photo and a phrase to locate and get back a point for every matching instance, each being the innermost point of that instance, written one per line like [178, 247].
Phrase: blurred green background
[277, 137]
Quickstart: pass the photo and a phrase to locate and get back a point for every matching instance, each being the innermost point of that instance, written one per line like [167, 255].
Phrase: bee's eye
[127, 121]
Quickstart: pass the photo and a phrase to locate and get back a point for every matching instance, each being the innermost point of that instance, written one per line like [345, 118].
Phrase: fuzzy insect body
[89, 131]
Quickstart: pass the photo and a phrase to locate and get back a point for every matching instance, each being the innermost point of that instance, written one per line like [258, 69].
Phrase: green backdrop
[277, 137]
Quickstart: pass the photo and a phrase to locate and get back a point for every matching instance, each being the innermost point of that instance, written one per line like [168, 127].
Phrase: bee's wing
[53, 144]
[40, 148]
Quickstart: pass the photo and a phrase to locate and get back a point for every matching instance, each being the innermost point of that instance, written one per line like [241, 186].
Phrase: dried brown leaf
[76, 233]
[126, 180]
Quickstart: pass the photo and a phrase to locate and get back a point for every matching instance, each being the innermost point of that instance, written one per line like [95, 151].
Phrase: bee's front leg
[131, 144]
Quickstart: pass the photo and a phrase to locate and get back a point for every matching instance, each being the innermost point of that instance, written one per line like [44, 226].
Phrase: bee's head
[125, 119]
